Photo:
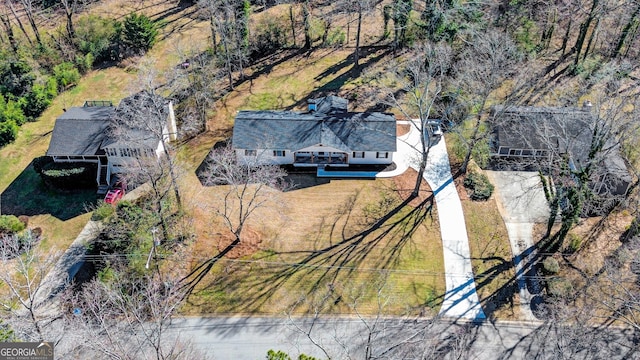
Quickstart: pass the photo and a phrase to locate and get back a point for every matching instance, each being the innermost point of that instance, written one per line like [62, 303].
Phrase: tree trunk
[357, 52]
[28, 7]
[565, 39]
[293, 25]
[20, 25]
[591, 37]
[214, 40]
[625, 32]
[584, 28]
[9, 30]
[306, 13]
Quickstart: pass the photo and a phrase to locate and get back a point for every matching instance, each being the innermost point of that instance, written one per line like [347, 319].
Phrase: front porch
[320, 158]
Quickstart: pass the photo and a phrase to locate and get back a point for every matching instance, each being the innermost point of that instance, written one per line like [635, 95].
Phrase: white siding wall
[264, 157]
[370, 158]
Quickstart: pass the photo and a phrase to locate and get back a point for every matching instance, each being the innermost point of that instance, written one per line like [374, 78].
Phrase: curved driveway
[461, 299]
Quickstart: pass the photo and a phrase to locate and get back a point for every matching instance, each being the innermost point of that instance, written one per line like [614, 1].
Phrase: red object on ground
[116, 193]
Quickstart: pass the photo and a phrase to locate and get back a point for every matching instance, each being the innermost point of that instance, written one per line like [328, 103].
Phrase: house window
[278, 152]
[382, 155]
[358, 154]
[250, 153]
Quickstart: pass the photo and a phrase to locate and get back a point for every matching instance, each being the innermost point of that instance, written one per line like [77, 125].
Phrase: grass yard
[321, 247]
[491, 258]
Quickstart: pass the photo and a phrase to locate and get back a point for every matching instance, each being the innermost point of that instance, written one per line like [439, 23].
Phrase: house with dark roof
[86, 134]
[525, 136]
[325, 135]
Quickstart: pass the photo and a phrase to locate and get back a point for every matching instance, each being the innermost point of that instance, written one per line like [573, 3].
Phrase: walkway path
[521, 203]
[461, 299]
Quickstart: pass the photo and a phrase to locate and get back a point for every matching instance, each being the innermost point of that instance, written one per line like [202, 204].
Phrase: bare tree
[229, 24]
[147, 115]
[24, 267]
[70, 7]
[29, 7]
[490, 59]
[128, 319]
[245, 187]
[11, 6]
[416, 86]
[8, 29]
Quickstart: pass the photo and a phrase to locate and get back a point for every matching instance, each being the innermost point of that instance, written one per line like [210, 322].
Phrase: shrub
[559, 287]
[40, 162]
[69, 176]
[335, 38]
[84, 63]
[8, 132]
[269, 36]
[10, 224]
[11, 110]
[96, 36]
[478, 183]
[574, 243]
[66, 74]
[40, 98]
[139, 33]
[550, 266]
[102, 212]
[16, 77]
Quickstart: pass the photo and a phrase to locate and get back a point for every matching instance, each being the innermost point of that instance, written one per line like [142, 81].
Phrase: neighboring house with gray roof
[327, 134]
[523, 136]
[86, 134]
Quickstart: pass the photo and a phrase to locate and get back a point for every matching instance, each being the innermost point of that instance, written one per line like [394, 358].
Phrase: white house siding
[264, 157]
[370, 158]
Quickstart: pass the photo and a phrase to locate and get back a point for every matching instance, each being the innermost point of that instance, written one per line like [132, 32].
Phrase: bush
[40, 97]
[139, 33]
[574, 243]
[550, 266]
[10, 224]
[66, 74]
[84, 63]
[8, 132]
[102, 212]
[559, 287]
[69, 176]
[478, 183]
[11, 110]
[40, 162]
[96, 36]
[269, 36]
[16, 77]
[335, 38]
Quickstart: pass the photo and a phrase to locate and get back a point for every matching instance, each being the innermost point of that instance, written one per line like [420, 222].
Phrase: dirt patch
[406, 182]
[402, 129]
[249, 244]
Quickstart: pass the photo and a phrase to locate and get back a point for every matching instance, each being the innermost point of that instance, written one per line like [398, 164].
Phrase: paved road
[461, 298]
[346, 338]
[521, 203]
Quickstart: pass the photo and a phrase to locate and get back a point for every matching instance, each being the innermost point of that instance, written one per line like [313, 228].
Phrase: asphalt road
[242, 338]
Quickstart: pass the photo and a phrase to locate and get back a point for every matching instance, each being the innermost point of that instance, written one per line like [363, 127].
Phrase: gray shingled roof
[80, 131]
[564, 130]
[290, 130]
[86, 130]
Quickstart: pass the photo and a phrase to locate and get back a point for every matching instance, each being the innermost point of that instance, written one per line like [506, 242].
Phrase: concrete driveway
[521, 203]
[461, 299]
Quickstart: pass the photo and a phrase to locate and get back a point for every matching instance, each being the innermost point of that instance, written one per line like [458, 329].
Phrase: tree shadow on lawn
[322, 268]
[28, 195]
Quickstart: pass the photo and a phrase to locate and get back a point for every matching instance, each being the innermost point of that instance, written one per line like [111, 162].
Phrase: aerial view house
[86, 134]
[524, 136]
[327, 134]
